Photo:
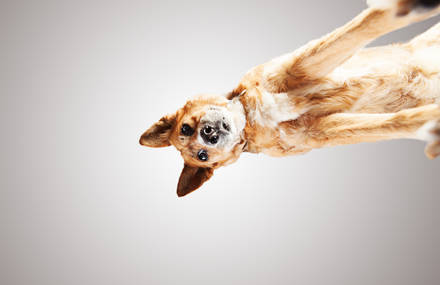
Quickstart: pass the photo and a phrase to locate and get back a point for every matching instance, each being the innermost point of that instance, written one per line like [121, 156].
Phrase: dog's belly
[392, 78]
[376, 80]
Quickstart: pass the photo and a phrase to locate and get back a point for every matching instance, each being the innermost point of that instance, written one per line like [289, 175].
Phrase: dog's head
[208, 132]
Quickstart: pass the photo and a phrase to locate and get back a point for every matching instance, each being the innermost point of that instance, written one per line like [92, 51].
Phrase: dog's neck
[239, 115]
[238, 107]
[237, 110]
[264, 114]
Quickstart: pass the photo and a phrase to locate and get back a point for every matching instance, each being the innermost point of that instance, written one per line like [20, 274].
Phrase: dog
[332, 91]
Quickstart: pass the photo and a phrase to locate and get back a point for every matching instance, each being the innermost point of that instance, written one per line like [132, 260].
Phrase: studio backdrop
[81, 202]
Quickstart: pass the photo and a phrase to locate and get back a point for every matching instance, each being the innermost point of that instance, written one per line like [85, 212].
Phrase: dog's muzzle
[211, 134]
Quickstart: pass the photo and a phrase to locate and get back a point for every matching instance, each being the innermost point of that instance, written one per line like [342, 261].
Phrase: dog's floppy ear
[192, 178]
[158, 134]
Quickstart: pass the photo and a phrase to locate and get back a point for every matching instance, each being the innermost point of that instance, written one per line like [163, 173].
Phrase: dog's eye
[202, 155]
[186, 130]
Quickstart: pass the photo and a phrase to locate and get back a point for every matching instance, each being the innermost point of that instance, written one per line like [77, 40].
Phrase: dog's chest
[268, 109]
[271, 128]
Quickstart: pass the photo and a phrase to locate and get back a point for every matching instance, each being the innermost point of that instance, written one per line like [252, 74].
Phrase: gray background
[82, 203]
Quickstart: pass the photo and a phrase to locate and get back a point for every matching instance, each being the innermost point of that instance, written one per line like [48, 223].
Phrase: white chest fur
[271, 109]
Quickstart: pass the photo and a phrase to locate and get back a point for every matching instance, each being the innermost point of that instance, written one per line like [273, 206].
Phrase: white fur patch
[237, 111]
[273, 109]
[372, 61]
[425, 134]
[382, 3]
[428, 59]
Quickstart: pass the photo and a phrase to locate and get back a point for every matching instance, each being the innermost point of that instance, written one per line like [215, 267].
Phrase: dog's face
[208, 133]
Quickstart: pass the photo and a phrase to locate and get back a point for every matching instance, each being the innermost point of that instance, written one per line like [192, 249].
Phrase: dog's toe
[432, 150]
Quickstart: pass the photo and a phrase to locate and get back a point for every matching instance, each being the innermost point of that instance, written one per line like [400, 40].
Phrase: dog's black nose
[213, 139]
[207, 130]
[210, 134]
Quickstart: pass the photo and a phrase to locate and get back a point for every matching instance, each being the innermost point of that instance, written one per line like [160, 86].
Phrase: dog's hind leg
[307, 65]
[348, 128]
[429, 38]
[425, 59]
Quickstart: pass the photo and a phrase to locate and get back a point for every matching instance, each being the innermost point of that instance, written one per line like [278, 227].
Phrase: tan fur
[336, 93]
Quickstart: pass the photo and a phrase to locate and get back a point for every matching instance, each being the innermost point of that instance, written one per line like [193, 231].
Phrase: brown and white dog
[329, 92]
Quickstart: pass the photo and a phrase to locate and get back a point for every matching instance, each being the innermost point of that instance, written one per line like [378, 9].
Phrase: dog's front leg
[307, 65]
[346, 128]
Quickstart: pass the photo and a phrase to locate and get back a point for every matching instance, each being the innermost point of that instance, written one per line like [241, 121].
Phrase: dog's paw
[405, 7]
[430, 132]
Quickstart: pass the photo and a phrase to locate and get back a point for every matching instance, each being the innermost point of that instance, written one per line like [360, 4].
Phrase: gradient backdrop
[82, 203]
